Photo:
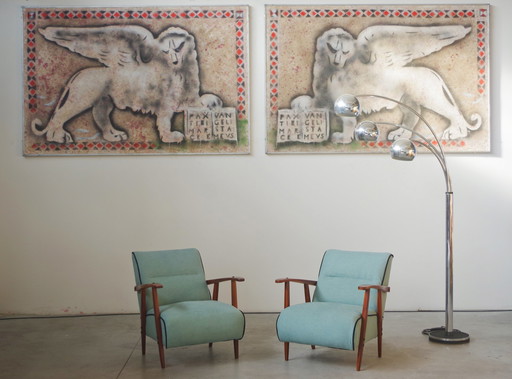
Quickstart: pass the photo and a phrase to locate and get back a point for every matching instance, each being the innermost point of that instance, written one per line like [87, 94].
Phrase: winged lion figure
[158, 76]
[377, 62]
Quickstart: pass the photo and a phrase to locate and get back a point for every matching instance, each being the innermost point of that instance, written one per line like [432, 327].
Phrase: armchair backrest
[180, 272]
[341, 272]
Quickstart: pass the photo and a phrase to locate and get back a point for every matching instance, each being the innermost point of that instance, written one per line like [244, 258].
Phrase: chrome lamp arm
[437, 152]
[415, 112]
[404, 149]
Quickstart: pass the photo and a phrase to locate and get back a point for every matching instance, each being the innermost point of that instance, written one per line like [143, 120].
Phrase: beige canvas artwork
[433, 58]
[116, 81]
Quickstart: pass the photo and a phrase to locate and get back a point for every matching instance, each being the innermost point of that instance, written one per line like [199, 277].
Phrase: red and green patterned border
[277, 14]
[239, 16]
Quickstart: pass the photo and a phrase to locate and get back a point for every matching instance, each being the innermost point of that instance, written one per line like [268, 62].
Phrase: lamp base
[440, 335]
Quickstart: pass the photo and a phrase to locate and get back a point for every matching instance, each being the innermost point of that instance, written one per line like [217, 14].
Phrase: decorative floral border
[32, 15]
[275, 15]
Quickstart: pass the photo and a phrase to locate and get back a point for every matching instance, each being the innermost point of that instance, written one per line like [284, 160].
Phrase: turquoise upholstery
[334, 316]
[188, 316]
[181, 273]
[196, 322]
[322, 323]
[341, 272]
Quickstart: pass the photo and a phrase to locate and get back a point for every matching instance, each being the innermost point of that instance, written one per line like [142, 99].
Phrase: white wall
[68, 224]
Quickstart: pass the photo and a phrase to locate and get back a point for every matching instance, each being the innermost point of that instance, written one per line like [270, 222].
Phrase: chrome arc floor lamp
[405, 150]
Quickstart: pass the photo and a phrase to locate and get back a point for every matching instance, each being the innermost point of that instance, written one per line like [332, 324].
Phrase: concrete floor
[96, 347]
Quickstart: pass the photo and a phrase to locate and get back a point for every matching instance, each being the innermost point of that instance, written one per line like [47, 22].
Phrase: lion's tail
[36, 127]
[476, 122]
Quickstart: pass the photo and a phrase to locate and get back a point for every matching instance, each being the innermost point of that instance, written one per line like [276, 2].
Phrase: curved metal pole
[413, 111]
[427, 144]
[446, 334]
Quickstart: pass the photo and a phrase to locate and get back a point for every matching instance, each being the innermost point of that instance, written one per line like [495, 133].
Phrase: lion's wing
[394, 45]
[111, 45]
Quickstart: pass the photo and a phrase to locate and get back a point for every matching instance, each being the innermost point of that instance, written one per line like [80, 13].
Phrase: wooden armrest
[366, 301]
[233, 280]
[301, 281]
[236, 278]
[154, 294]
[364, 317]
[142, 287]
[305, 282]
[143, 308]
[375, 287]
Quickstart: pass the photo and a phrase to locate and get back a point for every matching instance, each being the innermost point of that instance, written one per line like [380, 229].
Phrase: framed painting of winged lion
[114, 81]
[432, 58]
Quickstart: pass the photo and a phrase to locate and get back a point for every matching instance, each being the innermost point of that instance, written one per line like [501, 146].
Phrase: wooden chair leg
[362, 338]
[143, 324]
[286, 350]
[160, 344]
[379, 343]
[235, 347]
[362, 332]
[158, 326]
[359, 355]
[162, 355]
[379, 335]
[379, 324]
[143, 334]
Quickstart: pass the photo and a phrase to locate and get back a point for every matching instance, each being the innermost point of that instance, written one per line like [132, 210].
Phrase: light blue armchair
[173, 290]
[347, 307]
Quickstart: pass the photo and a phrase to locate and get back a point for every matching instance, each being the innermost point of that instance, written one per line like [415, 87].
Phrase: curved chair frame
[154, 287]
[364, 312]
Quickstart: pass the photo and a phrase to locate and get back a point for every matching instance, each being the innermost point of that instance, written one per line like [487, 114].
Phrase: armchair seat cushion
[197, 322]
[325, 324]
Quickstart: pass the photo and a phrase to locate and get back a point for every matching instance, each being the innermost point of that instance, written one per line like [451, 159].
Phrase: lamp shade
[366, 131]
[403, 150]
[347, 105]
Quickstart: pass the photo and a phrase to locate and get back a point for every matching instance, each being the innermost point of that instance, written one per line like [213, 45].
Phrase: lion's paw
[399, 133]
[302, 103]
[59, 136]
[172, 137]
[115, 136]
[211, 101]
[340, 138]
[454, 132]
